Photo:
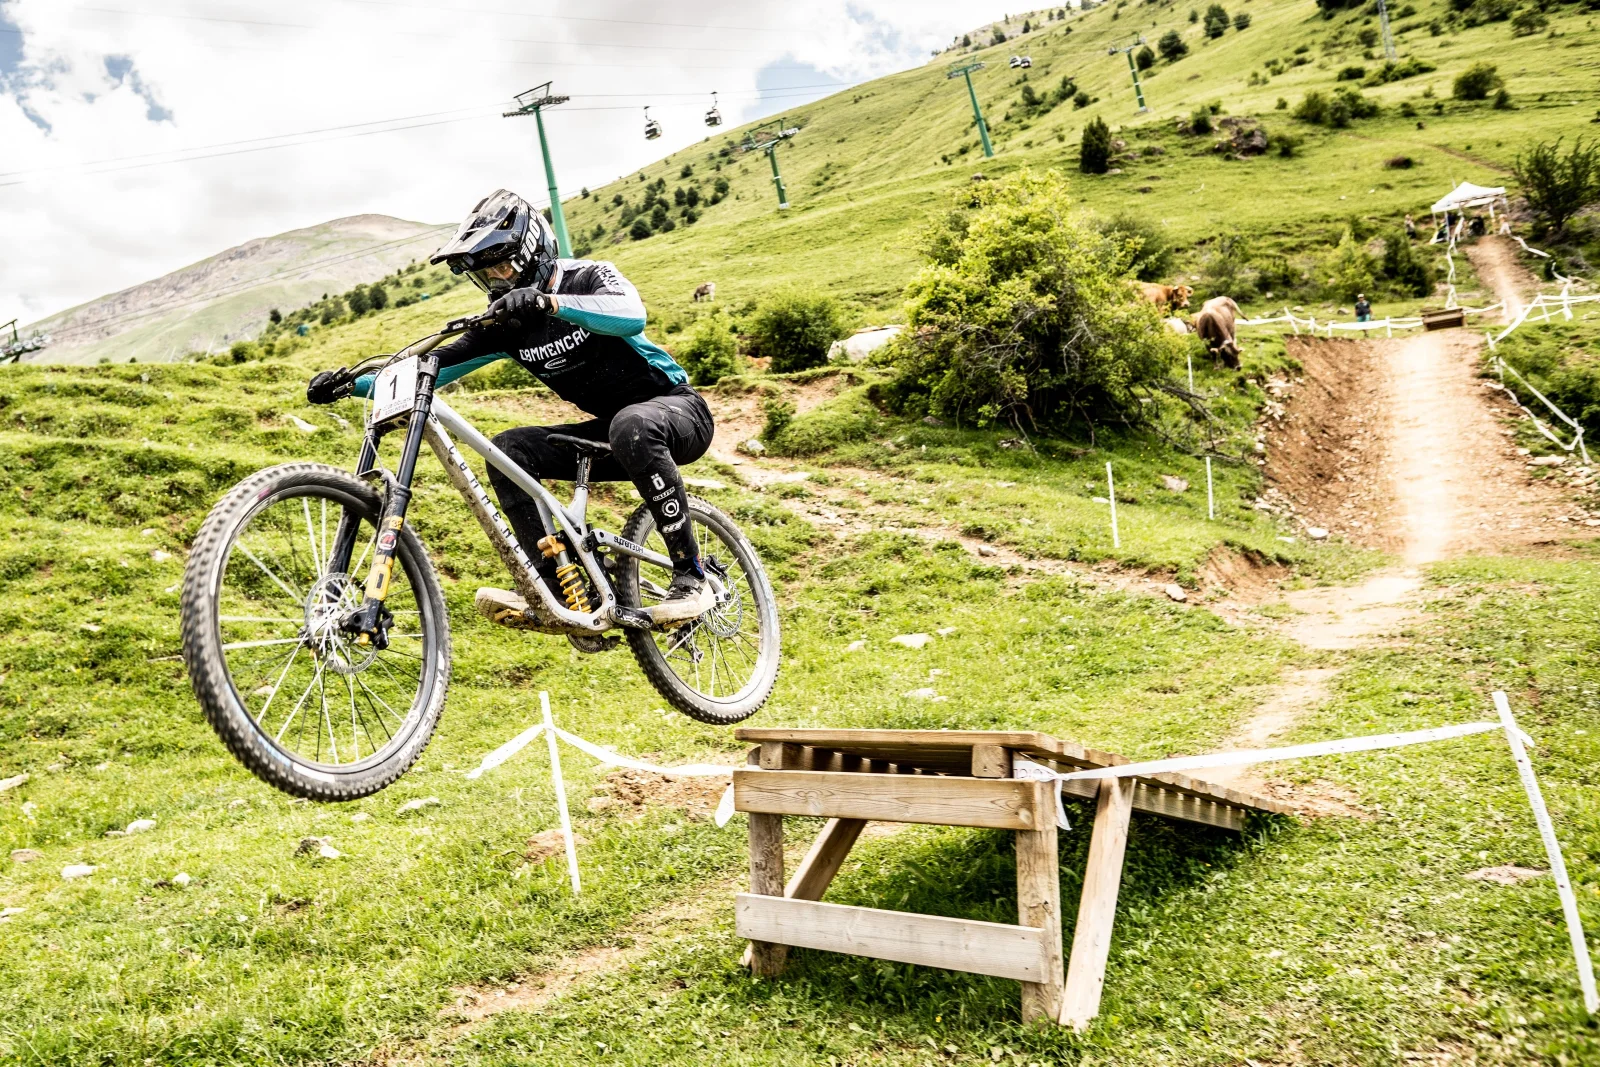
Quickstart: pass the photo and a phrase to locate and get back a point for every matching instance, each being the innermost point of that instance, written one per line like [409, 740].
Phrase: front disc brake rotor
[333, 598]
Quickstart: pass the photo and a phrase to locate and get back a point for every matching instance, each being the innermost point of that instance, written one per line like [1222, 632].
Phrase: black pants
[648, 440]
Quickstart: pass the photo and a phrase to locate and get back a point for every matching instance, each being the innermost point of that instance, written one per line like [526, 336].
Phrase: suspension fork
[370, 623]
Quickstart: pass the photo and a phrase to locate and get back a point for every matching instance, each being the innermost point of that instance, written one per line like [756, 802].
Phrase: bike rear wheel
[721, 667]
[294, 698]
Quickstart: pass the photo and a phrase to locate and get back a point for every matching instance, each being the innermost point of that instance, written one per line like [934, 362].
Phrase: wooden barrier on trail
[951, 778]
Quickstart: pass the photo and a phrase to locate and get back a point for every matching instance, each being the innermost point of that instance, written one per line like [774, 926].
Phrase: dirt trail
[1396, 444]
[1495, 259]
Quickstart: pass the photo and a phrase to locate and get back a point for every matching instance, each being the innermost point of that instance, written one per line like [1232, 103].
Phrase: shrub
[1172, 46]
[1337, 110]
[794, 329]
[1477, 82]
[1502, 100]
[1241, 21]
[1029, 318]
[1150, 253]
[1349, 270]
[1200, 121]
[711, 352]
[850, 416]
[1528, 21]
[640, 229]
[1352, 74]
[378, 297]
[1399, 163]
[358, 300]
[1081, 100]
[1411, 275]
[1216, 22]
[780, 413]
[1094, 154]
[1288, 144]
[1224, 265]
[274, 316]
[1393, 72]
[1145, 58]
[1368, 37]
[1559, 186]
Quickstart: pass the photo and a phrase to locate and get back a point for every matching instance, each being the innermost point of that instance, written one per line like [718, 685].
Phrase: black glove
[521, 304]
[328, 386]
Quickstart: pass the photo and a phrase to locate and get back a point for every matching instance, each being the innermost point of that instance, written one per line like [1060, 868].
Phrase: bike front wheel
[721, 667]
[300, 704]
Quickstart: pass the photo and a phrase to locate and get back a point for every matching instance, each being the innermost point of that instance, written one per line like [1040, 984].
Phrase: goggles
[496, 279]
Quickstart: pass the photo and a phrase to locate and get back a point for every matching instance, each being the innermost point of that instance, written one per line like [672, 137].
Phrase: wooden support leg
[1091, 938]
[822, 862]
[766, 878]
[1039, 904]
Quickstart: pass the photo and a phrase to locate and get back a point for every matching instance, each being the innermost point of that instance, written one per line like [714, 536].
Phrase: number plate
[395, 391]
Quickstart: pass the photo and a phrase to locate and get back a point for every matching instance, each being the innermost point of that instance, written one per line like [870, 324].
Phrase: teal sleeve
[620, 321]
[363, 387]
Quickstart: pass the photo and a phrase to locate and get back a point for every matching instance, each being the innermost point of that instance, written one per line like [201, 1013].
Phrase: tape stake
[561, 793]
[1552, 848]
[1111, 495]
[1211, 500]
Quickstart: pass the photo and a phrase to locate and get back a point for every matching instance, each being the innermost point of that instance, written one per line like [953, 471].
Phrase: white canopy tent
[1465, 197]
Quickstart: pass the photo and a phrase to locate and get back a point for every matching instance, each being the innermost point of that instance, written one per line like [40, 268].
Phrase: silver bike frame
[571, 519]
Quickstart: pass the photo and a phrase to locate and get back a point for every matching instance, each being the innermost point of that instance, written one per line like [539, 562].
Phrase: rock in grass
[6, 913]
[1507, 875]
[360, 816]
[139, 826]
[25, 855]
[910, 640]
[328, 852]
[1316, 533]
[181, 879]
[1175, 591]
[752, 447]
[308, 845]
[302, 425]
[238, 802]
[855, 646]
[1177, 485]
[925, 693]
[418, 804]
[78, 870]
[12, 782]
[988, 550]
[704, 483]
[160, 556]
[1547, 461]
[945, 631]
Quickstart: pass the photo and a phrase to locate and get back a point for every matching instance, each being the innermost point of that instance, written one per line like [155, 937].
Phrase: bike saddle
[582, 445]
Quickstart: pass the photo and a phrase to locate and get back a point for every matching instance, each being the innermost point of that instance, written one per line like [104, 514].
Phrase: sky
[138, 136]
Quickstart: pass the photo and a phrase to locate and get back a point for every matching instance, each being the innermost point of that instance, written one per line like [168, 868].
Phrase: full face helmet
[503, 244]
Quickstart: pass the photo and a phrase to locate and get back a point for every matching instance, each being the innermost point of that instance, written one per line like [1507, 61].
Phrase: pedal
[504, 608]
[632, 618]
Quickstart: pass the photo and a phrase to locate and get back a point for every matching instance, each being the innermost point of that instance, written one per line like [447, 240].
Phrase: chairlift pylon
[652, 128]
[713, 117]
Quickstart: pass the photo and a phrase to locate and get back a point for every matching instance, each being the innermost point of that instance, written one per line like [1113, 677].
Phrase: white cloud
[95, 208]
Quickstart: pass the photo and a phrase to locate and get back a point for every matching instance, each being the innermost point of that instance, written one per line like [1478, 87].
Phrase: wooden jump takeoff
[950, 778]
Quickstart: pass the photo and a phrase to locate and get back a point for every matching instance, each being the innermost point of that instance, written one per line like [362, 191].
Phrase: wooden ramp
[951, 778]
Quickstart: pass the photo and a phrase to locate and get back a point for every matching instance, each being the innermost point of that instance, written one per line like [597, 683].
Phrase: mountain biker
[577, 326]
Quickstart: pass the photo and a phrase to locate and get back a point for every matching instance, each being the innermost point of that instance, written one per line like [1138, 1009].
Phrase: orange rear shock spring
[573, 588]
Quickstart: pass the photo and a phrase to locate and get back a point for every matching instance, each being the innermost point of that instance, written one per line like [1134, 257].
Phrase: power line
[251, 146]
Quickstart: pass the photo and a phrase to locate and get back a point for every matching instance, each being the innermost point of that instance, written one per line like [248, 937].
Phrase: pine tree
[1094, 155]
[1217, 20]
[1172, 46]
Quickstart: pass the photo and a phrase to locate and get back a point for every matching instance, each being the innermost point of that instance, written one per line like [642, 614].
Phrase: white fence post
[561, 793]
[1211, 500]
[1111, 495]
[1552, 848]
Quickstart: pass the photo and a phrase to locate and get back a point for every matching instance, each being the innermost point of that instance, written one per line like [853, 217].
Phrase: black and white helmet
[503, 228]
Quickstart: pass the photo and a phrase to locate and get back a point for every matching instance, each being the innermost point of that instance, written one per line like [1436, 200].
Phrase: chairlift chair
[652, 128]
[1024, 61]
[713, 117]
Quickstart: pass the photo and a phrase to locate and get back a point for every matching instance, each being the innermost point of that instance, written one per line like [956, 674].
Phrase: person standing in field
[1363, 308]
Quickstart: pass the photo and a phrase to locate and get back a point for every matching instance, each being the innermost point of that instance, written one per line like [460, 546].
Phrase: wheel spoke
[279, 582]
[230, 646]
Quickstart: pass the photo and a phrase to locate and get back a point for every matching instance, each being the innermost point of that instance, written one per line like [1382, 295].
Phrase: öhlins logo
[548, 355]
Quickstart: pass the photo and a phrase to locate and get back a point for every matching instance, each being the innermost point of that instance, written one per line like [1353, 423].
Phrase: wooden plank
[1039, 907]
[997, 949]
[991, 761]
[1000, 804]
[823, 860]
[775, 755]
[766, 878]
[1097, 908]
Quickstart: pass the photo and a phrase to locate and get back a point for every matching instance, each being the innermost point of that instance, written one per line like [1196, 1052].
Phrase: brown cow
[705, 291]
[1170, 297]
[1215, 324]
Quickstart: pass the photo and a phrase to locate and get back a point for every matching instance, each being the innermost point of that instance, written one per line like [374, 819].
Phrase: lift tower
[1133, 68]
[533, 102]
[965, 71]
[766, 138]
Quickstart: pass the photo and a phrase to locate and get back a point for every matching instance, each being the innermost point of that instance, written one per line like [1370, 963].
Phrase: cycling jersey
[591, 350]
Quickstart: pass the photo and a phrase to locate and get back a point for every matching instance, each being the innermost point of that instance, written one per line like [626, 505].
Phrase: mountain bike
[328, 685]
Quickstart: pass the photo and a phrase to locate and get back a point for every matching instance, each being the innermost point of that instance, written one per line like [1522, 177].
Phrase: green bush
[850, 416]
[1216, 21]
[640, 229]
[1200, 121]
[1336, 110]
[780, 413]
[1477, 82]
[1559, 186]
[1094, 154]
[1349, 270]
[1401, 265]
[1145, 58]
[1351, 74]
[1149, 250]
[711, 352]
[1172, 46]
[794, 329]
[1027, 317]
[1241, 21]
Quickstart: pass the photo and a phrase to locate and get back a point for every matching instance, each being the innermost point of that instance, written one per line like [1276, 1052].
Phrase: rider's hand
[521, 304]
[328, 386]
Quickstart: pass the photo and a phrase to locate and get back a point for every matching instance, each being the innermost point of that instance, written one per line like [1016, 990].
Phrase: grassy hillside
[1339, 941]
[206, 306]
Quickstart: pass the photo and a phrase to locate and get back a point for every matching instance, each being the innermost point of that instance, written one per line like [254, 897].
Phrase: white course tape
[507, 750]
[1269, 755]
[561, 793]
